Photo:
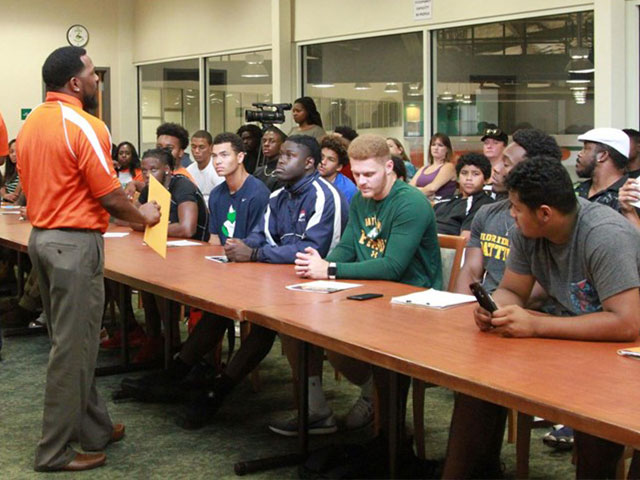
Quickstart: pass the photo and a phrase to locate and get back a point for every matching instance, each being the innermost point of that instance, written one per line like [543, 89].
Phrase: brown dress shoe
[85, 461]
[118, 432]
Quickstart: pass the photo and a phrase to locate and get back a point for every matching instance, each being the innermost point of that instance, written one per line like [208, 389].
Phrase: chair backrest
[451, 249]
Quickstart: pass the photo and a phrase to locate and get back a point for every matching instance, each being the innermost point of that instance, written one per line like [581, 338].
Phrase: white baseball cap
[612, 137]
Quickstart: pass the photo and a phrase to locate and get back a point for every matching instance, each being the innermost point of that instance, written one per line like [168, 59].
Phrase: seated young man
[603, 161]
[334, 158]
[188, 218]
[236, 208]
[251, 136]
[494, 141]
[587, 258]
[391, 235]
[175, 139]
[294, 219]
[454, 215]
[201, 170]
[272, 140]
[488, 246]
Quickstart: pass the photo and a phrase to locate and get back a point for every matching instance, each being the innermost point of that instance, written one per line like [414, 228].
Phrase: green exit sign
[24, 112]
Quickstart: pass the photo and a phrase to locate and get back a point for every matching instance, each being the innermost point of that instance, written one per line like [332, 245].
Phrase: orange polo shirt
[4, 138]
[64, 162]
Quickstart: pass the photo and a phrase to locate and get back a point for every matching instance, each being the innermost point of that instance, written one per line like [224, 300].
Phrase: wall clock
[78, 35]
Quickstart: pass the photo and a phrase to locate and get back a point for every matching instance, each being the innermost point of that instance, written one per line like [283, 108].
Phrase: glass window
[530, 72]
[169, 92]
[234, 82]
[373, 85]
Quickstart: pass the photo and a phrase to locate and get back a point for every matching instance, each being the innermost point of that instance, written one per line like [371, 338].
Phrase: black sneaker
[201, 410]
[200, 376]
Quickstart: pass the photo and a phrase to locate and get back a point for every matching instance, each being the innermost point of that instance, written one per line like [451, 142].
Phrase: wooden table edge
[610, 431]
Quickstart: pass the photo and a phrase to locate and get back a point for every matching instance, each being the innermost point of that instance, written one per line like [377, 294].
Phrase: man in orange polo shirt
[64, 162]
[4, 151]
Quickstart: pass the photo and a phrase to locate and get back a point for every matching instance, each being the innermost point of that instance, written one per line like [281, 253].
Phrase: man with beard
[603, 161]
[71, 188]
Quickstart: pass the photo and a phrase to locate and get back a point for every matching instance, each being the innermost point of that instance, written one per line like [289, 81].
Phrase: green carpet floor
[154, 447]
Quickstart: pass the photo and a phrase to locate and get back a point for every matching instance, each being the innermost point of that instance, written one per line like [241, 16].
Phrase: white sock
[366, 389]
[317, 402]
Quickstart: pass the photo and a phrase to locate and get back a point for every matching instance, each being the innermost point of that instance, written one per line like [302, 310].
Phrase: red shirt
[64, 162]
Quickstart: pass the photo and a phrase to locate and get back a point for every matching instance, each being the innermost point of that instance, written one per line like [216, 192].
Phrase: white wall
[31, 29]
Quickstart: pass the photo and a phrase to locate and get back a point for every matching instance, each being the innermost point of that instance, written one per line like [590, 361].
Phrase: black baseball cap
[496, 134]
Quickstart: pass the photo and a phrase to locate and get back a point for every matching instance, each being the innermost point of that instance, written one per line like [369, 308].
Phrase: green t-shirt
[391, 239]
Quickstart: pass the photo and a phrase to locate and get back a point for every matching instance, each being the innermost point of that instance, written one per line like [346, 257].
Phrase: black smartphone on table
[483, 297]
[365, 296]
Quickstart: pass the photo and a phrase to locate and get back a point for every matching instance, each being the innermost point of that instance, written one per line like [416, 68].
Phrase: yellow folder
[156, 236]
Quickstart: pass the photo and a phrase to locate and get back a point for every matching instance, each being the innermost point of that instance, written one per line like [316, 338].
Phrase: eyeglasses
[493, 131]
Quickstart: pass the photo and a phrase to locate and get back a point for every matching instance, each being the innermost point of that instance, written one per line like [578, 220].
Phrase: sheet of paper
[434, 299]
[11, 212]
[182, 243]
[115, 234]
[156, 236]
[11, 207]
[322, 286]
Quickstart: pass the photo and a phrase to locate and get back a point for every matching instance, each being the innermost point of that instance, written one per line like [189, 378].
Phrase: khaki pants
[69, 265]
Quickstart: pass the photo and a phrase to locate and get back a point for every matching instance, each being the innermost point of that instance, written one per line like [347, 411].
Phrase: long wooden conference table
[582, 384]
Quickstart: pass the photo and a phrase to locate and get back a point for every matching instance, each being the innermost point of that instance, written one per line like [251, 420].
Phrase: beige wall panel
[166, 29]
[334, 18]
[30, 30]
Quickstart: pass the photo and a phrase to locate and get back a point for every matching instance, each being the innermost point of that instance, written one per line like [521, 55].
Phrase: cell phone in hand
[483, 297]
[365, 296]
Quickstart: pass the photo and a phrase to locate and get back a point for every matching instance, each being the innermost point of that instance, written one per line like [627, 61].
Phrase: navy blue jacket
[309, 213]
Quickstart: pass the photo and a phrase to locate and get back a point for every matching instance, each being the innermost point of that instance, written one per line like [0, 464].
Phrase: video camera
[267, 113]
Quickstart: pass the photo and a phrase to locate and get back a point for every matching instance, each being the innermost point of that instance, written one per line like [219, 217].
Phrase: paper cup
[637, 204]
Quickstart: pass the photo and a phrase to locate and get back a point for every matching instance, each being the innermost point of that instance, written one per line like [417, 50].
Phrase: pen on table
[411, 301]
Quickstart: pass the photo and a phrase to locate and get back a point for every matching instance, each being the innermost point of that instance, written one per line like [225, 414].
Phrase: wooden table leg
[166, 312]
[124, 324]
[394, 423]
[126, 366]
[20, 279]
[523, 444]
[303, 396]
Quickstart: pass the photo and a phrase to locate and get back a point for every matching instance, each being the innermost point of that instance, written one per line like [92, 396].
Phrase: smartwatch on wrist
[332, 270]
